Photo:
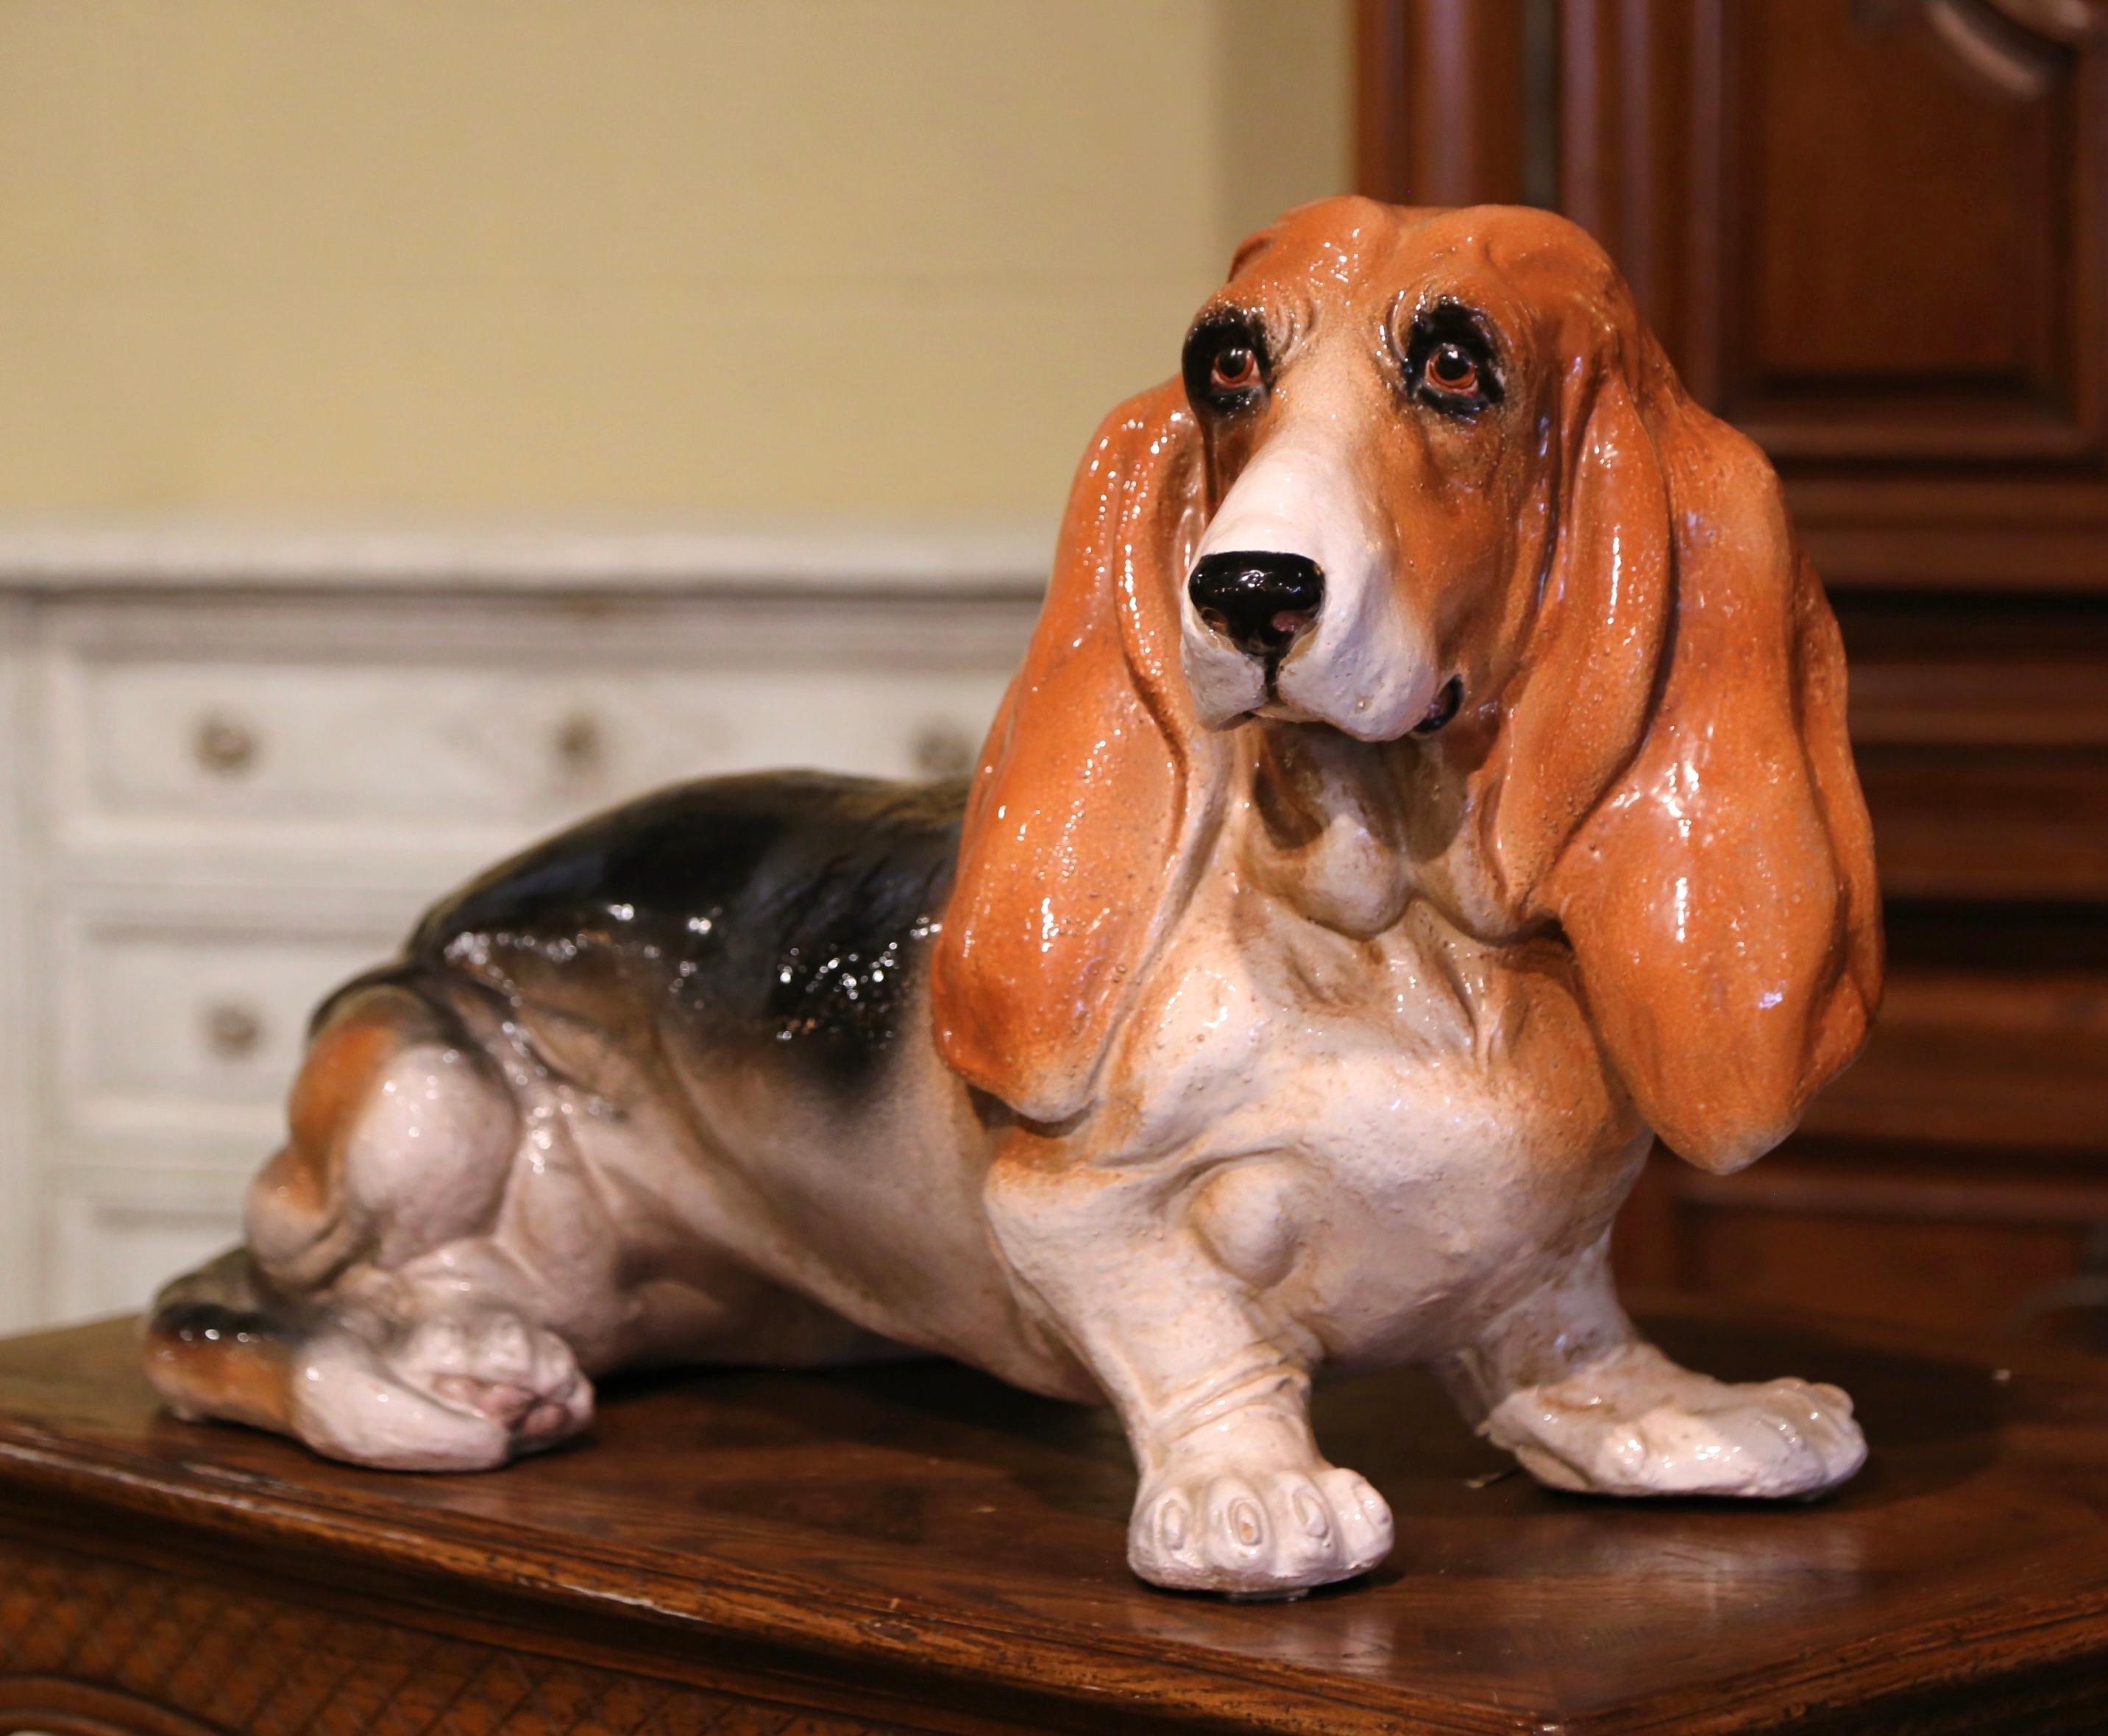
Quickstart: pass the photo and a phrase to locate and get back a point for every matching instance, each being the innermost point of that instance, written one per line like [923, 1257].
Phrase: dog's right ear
[1095, 789]
[1679, 791]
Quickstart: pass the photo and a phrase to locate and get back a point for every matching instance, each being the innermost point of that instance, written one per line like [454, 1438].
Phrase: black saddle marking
[218, 1322]
[791, 908]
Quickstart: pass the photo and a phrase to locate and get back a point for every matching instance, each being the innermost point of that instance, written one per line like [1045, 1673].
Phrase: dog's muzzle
[1293, 609]
[1261, 601]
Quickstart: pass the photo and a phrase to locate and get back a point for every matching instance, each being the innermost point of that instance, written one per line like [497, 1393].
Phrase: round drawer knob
[224, 745]
[580, 743]
[232, 1031]
[943, 750]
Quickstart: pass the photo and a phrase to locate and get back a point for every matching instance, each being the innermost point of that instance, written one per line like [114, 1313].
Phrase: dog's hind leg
[1565, 1382]
[220, 1344]
[376, 1312]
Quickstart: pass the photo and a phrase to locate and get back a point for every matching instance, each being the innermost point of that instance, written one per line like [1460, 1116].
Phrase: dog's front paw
[453, 1391]
[1637, 1424]
[1256, 1531]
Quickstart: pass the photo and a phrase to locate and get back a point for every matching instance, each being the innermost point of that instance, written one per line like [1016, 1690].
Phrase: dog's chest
[1252, 1007]
[1383, 1127]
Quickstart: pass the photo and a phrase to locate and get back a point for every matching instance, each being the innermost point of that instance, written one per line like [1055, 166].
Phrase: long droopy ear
[1096, 788]
[1676, 786]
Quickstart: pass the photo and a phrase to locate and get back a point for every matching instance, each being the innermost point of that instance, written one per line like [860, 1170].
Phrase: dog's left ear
[1677, 788]
[1097, 787]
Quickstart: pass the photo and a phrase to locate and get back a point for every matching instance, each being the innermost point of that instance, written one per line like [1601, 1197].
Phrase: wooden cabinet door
[1873, 233]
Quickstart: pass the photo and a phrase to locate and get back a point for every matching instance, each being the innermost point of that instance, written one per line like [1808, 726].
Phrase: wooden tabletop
[920, 1536]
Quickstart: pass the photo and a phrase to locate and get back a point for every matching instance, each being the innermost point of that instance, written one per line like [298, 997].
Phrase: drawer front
[1825, 1227]
[437, 751]
[1981, 732]
[467, 746]
[1959, 1276]
[1993, 822]
[109, 1253]
[191, 1023]
[1996, 1060]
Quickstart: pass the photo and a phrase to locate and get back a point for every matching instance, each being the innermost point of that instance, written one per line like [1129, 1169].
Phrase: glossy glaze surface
[1310, 981]
[793, 909]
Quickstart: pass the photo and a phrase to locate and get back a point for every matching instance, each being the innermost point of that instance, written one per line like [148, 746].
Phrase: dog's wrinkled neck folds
[1324, 822]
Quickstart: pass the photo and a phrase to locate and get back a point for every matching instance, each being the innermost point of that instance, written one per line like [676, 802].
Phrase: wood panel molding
[2012, 45]
[1439, 121]
[57, 1706]
[1752, 168]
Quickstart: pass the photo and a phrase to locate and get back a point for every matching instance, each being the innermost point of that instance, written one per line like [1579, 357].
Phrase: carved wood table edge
[915, 1547]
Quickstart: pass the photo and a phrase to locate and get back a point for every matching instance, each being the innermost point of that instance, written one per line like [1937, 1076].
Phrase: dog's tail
[221, 1343]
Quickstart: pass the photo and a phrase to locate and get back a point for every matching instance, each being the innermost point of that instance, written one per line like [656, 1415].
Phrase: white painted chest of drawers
[236, 767]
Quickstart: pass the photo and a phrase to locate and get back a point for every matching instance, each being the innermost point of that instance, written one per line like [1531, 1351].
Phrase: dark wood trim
[1438, 121]
[2088, 210]
[1381, 95]
[1931, 1195]
[1627, 165]
[53, 1706]
[915, 1547]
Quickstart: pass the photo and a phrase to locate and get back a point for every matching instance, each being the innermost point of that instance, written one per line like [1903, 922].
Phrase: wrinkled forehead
[1536, 275]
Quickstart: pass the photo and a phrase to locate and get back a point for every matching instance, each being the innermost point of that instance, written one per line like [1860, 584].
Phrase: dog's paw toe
[1261, 1533]
[520, 1376]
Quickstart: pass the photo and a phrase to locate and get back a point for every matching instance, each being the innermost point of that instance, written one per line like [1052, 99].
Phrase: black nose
[1261, 602]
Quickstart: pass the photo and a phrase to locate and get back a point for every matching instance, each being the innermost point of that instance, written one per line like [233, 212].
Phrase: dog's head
[1427, 480]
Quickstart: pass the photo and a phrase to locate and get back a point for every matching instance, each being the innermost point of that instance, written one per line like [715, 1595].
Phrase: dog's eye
[1226, 365]
[1235, 369]
[1450, 358]
[1450, 370]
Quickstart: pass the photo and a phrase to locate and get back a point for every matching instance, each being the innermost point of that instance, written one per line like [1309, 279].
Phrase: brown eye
[1235, 369]
[1449, 368]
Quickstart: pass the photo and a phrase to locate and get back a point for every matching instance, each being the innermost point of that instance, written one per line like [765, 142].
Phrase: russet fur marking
[1427, 784]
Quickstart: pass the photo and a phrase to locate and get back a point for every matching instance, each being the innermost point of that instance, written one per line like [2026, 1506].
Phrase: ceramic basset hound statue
[1427, 784]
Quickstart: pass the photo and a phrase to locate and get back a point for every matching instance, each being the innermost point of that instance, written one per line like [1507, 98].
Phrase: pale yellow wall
[753, 258]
